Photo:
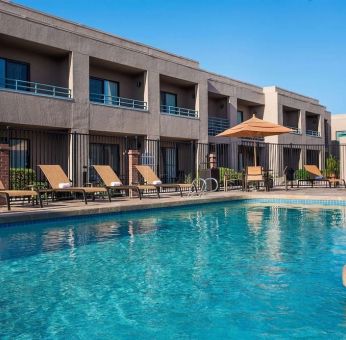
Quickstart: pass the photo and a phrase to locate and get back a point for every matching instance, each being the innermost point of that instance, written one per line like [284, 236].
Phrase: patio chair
[317, 176]
[255, 174]
[59, 182]
[150, 178]
[8, 194]
[113, 182]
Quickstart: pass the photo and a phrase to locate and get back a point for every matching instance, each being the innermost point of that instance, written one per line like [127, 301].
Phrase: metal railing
[313, 133]
[34, 88]
[217, 125]
[173, 161]
[178, 111]
[295, 130]
[118, 101]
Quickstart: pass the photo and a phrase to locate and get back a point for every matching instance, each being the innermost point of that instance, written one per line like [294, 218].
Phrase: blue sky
[299, 45]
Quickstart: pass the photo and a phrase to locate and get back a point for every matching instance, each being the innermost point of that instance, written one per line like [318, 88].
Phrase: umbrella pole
[254, 153]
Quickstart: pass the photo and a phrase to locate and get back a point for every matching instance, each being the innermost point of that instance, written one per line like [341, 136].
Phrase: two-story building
[72, 92]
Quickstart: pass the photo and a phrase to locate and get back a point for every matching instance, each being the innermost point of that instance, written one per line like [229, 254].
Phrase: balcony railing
[313, 133]
[178, 111]
[217, 125]
[118, 101]
[295, 130]
[34, 88]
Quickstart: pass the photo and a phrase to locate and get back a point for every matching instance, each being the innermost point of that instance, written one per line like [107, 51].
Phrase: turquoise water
[229, 270]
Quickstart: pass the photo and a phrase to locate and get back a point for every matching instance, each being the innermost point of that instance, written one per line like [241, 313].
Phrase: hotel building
[60, 79]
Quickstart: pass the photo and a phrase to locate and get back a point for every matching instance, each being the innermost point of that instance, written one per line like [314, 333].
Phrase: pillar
[133, 173]
[78, 158]
[5, 165]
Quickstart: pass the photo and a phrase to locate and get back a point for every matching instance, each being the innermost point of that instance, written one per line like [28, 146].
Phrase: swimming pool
[212, 271]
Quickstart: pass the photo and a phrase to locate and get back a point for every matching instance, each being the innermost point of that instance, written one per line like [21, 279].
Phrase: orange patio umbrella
[254, 128]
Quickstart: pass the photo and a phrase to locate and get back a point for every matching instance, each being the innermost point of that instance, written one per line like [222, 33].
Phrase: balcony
[117, 85]
[178, 111]
[312, 122]
[291, 119]
[118, 102]
[313, 133]
[217, 125]
[30, 87]
[295, 130]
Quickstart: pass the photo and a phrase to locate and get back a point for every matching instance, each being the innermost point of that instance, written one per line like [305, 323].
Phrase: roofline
[311, 100]
[111, 35]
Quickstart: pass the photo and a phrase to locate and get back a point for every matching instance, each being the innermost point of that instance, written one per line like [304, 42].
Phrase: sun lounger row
[60, 183]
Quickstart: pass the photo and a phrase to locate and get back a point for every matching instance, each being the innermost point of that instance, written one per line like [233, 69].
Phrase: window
[19, 153]
[14, 74]
[240, 117]
[104, 91]
[340, 134]
[168, 100]
[2, 72]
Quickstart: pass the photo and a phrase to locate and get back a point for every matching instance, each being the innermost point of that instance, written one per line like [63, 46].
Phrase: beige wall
[217, 107]
[338, 123]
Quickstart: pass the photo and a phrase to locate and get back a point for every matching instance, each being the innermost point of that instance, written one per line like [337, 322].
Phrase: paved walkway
[26, 212]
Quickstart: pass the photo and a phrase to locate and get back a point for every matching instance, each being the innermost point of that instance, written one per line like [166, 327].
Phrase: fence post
[133, 173]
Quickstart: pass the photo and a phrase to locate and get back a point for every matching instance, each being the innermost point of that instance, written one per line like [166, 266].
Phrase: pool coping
[135, 205]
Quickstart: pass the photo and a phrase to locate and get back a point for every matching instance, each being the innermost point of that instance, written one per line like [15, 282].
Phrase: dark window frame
[171, 93]
[103, 84]
[28, 75]
[242, 116]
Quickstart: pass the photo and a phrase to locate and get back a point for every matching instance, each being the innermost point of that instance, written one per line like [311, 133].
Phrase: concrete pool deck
[57, 209]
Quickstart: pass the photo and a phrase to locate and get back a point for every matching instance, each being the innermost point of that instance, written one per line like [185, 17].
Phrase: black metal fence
[173, 161]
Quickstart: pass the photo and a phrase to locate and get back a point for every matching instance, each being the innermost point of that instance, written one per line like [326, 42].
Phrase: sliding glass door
[14, 74]
[104, 91]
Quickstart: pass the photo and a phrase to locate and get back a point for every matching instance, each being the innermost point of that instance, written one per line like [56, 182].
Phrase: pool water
[231, 270]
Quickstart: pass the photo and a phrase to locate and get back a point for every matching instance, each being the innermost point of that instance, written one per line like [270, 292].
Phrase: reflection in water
[273, 232]
[219, 271]
[27, 241]
[255, 219]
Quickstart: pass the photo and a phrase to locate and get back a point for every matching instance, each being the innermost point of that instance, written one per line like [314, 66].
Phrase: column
[5, 165]
[79, 84]
[79, 158]
[133, 173]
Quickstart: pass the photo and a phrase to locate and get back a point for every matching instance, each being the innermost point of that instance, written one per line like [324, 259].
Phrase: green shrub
[301, 174]
[332, 167]
[232, 174]
[20, 178]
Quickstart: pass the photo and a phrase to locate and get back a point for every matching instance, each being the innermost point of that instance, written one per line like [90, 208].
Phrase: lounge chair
[59, 182]
[150, 178]
[113, 182]
[255, 174]
[8, 194]
[317, 176]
